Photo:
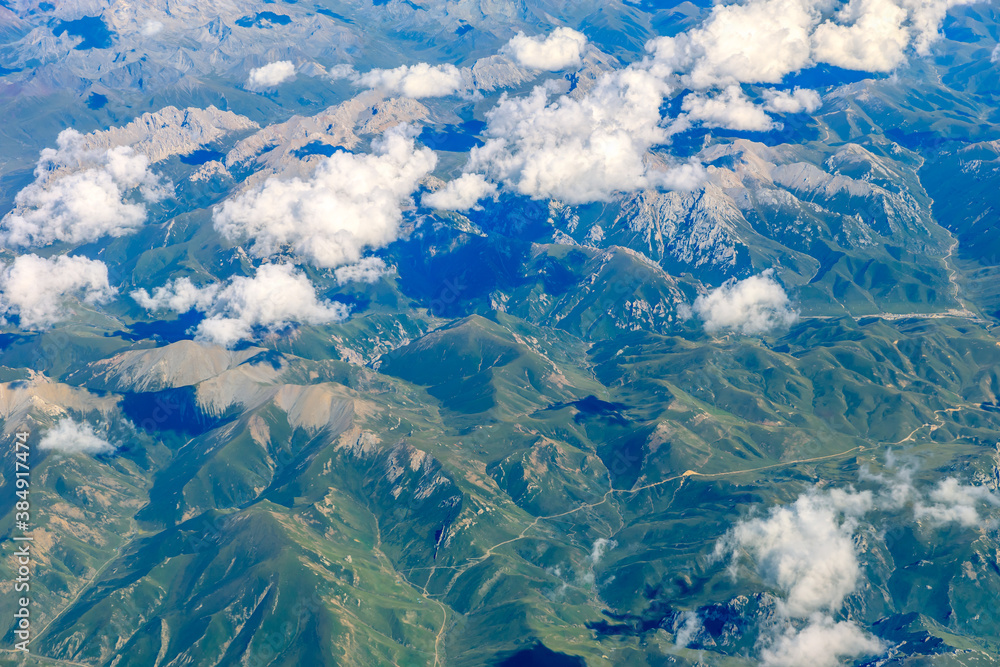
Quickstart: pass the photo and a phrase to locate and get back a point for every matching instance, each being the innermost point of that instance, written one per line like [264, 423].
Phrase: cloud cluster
[368, 270]
[71, 437]
[762, 41]
[754, 305]
[581, 150]
[78, 195]
[277, 297]
[729, 108]
[560, 50]
[350, 204]
[420, 80]
[806, 550]
[949, 501]
[39, 290]
[461, 194]
[270, 75]
[954, 502]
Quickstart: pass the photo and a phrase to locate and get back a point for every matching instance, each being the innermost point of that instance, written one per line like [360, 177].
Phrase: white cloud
[277, 297]
[821, 643]
[343, 71]
[949, 501]
[350, 204]
[750, 306]
[151, 27]
[953, 502]
[420, 80]
[795, 101]
[686, 627]
[180, 296]
[995, 55]
[806, 550]
[461, 194]
[729, 108]
[561, 49]
[870, 36]
[71, 437]
[78, 195]
[754, 42]
[39, 290]
[761, 41]
[581, 150]
[270, 75]
[368, 270]
[601, 546]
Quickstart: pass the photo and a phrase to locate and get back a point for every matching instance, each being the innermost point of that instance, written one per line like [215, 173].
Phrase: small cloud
[151, 27]
[39, 290]
[687, 625]
[561, 49]
[416, 81]
[751, 306]
[794, 101]
[277, 297]
[601, 546]
[953, 502]
[270, 75]
[823, 642]
[338, 72]
[461, 194]
[729, 108]
[71, 437]
[368, 270]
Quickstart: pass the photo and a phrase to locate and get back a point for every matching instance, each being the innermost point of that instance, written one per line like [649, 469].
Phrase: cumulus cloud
[761, 41]
[730, 108]
[461, 194]
[581, 150]
[368, 270]
[750, 306]
[794, 101]
[179, 296]
[71, 437]
[754, 42]
[39, 290]
[420, 80]
[350, 204]
[78, 195]
[561, 49]
[277, 297]
[270, 75]
[823, 642]
[806, 550]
